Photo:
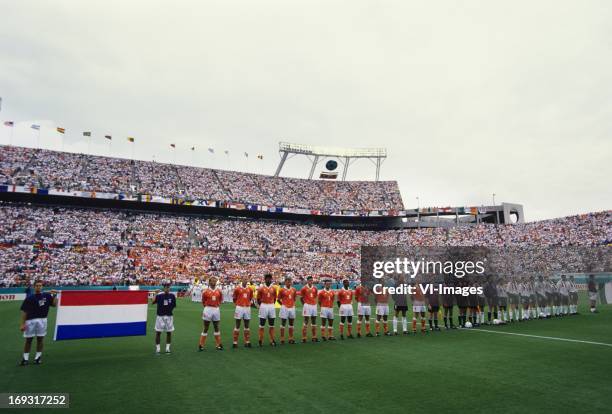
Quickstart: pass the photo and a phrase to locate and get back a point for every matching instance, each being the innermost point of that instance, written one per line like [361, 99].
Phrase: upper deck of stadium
[46, 169]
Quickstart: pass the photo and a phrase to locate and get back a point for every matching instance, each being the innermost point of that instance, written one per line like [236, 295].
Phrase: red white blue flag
[99, 314]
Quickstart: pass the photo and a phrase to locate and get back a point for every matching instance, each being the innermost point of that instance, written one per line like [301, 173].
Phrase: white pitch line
[543, 337]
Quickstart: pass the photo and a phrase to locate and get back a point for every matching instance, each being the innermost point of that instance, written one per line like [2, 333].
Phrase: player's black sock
[436, 323]
[495, 315]
[489, 316]
[446, 322]
[430, 324]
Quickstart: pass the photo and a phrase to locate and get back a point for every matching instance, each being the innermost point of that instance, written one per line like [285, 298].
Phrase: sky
[469, 98]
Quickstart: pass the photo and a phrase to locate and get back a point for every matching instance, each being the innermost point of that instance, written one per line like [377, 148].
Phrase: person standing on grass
[34, 311]
[382, 312]
[564, 292]
[326, 302]
[286, 297]
[433, 307]
[345, 305]
[308, 297]
[592, 289]
[266, 299]
[573, 292]
[164, 322]
[448, 301]
[400, 307]
[502, 296]
[364, 309]
[243, 299]
[211, 299]
[418, 308]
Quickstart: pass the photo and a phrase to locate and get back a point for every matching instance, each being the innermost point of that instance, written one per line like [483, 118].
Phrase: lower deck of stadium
[75, 246]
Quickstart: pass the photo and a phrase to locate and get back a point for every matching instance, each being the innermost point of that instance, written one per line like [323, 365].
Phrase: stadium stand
[72, 246]
[81, 172]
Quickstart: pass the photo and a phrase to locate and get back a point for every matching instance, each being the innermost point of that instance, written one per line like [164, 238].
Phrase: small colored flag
[9, 123]
[193, 148]
[36, 127]
[260, 157]
[211, 150]
[61, 130]
[246, 154]
[173, 146]
[131, 139]
[86, 134]
[108, 137]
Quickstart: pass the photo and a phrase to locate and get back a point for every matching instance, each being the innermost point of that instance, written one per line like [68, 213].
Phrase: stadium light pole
[493, 198]
[418, 203]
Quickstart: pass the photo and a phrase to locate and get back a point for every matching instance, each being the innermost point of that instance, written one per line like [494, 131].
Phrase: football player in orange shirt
[242, 298]
[286, 297]
[266, 298]
[326, 301]
[364, 310]
[345, 303]
[418, 308]
[382, 312]
[308, 297]
[211, 299]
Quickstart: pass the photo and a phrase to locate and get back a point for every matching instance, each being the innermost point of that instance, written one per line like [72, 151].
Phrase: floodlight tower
[346, 156]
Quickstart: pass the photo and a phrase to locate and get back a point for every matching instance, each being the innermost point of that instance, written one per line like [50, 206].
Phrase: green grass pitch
[460, 370]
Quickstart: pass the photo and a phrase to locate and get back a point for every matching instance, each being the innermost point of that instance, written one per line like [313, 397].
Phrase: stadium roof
[333, 151]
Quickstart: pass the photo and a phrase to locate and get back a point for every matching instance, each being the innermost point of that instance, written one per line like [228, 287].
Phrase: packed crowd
[68, 171]
[89, 246]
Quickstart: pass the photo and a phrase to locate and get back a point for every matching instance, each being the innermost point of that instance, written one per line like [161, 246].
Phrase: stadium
[84, 222]
[305, 207]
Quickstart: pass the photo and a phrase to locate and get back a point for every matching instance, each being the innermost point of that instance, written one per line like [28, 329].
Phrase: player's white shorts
[287, 313]
[242, 312]
[346, 309]
[364, 310]
[382, 309]
[211, 314]
[592, 295]
[267, 311]
[309, 310]
[35, 327]
[327, 313]
[164, 324]
[419, 308]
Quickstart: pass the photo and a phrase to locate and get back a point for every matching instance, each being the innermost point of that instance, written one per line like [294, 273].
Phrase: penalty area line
[543, 337]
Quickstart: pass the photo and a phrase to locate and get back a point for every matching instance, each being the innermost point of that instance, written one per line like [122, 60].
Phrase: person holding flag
[34, 311]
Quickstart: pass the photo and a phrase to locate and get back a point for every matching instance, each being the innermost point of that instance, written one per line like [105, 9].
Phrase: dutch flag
[99, 314]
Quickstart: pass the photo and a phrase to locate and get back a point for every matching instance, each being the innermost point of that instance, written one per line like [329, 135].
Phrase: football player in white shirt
[514, 299]
[540, 288]
[502, 294]
[573, 296]
[564, 292]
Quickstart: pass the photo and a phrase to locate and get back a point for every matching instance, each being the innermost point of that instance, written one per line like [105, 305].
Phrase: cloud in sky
[470, 98]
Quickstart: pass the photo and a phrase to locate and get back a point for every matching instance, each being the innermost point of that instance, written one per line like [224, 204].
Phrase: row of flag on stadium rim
[62, 131]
